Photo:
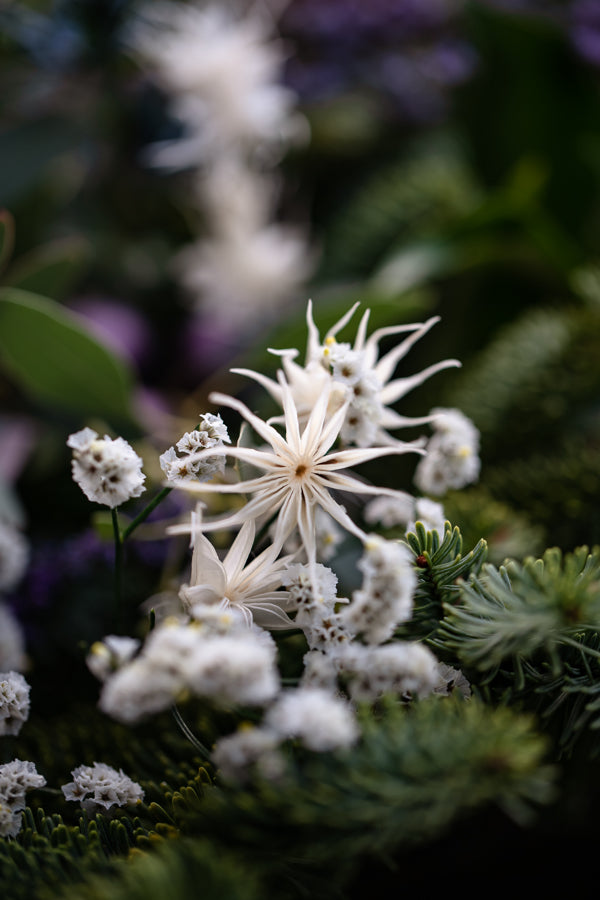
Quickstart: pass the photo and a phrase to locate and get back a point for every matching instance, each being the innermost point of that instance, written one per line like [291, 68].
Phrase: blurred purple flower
[121, 327]
[585, 29]
[407, 51]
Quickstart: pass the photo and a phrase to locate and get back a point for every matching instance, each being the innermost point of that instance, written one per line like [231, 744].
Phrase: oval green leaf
[47, 351]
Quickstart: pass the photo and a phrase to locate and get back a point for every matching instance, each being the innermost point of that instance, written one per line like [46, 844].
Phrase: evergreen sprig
[529, 633]
[525, 609]
[440, 564]
[416, 770]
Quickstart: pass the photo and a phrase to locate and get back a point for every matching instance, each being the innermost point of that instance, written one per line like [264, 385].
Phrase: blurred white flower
[228, 666]
[239, 272]
[236, 755]
[430, 513]
[222, 69]
[452, 458]
[319, 719]
[109, 654]
[224, 76]
[389, 511]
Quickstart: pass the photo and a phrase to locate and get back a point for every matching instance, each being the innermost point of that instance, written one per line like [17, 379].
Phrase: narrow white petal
[286, 520]
[331, 430]
[361, 332]
[371, 345]
[341, 322]
[239, 551]
[211, 487]
[386, 365]
[391, 419]
[314, 427]
[339, 482]
[262, 459]
[271, 386]
[258, 506]
[292, 428]
[342, 459]
[203, 551]
[314, 341]
[338, 512]
[267, 432]
[402, 386]
[271, 616]
[306, 527]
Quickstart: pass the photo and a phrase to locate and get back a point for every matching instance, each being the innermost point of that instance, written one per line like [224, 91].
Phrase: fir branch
[415, 771]
[440, 564]
[530, 634]
[520, 610]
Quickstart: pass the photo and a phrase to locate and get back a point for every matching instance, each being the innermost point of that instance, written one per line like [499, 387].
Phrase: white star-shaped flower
[375, 379]
[300, 471]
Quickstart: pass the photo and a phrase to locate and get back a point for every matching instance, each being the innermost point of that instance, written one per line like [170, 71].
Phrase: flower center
[300, 470]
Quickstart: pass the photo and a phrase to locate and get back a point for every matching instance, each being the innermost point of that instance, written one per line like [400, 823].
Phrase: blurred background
[178, 179]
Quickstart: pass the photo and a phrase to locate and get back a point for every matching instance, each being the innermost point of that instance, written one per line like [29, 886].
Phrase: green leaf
[54, 359]
[7, 236]
[52, 269]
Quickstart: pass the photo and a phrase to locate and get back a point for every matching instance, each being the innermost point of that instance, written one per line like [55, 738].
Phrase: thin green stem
[188, 733]
[118, 564]
[141, 517]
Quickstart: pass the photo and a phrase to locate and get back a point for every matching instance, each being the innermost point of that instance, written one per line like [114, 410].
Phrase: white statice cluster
[316, 717]
[403, 668]
[452, 459]
[99, 787]
[214, 657]
[386, 596]
[348, 640]
[314, 594]
[430, 514]
[320, 719]
[175, 462]
[221, 67]
[14, 702]
[16, 778]
[14, 555]
[108, 470]
[109, 654]
[405, 512]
